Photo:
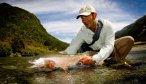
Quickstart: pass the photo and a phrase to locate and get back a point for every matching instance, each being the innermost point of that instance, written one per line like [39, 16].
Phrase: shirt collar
[85, 29]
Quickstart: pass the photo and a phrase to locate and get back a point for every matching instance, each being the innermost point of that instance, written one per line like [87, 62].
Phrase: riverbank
[139, 48]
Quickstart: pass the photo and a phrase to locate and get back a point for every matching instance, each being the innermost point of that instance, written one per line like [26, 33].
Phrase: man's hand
[87, 60]
[50, 64]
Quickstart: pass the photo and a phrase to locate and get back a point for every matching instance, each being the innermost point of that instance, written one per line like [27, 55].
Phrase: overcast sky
[59, 16]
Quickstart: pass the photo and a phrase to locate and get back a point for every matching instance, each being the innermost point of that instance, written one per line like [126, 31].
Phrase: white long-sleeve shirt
[105, 43]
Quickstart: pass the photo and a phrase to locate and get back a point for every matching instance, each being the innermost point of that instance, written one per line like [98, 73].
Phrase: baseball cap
[86, 10]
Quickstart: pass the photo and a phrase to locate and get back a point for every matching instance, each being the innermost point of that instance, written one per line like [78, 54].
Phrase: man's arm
[74, 45]
[108, 46]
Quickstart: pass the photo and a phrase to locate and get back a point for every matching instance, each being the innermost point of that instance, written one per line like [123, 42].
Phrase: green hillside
[21, 32]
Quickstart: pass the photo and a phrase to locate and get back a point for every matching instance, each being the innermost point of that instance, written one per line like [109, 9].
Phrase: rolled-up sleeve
[107, 47]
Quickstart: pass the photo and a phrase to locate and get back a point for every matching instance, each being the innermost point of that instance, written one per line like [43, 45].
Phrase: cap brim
[83, 14]
[78, 16]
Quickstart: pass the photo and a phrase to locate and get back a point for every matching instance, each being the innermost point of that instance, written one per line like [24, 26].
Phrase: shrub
[5, 50]
[48, 43]
[17, 45]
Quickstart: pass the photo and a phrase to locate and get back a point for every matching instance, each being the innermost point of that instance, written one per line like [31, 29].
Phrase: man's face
[87, 20]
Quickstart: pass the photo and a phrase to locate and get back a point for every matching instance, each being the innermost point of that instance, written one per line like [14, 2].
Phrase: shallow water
[15, 70]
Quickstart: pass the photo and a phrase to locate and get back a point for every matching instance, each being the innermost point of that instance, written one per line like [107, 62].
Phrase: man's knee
[129, 39]
[124, 41]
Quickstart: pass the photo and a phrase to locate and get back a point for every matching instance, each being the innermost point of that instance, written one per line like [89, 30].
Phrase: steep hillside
[22, 32]
[137, 30]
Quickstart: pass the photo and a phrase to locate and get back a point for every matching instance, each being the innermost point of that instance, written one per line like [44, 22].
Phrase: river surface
[14, 70]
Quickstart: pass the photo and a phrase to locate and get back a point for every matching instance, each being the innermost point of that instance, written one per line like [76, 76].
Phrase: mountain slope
[22, 32]
[137, 30]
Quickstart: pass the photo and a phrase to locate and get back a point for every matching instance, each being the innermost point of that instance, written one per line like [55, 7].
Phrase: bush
[17, 45]
[48, 43]
[5, 50]
[29, 52]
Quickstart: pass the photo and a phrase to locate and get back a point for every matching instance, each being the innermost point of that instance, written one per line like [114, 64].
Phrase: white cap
[86, 10]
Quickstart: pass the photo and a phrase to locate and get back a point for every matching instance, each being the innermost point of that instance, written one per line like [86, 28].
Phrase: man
[109, 49]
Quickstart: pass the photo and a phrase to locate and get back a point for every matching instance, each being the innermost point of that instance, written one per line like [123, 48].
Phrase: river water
[15, 71]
